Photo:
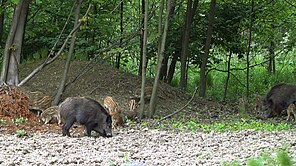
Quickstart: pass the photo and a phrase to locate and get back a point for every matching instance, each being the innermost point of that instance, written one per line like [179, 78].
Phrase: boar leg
[47, 121]
[294, 113]
[288, 112]
[89, 127]
[67, 125]
[59, 119]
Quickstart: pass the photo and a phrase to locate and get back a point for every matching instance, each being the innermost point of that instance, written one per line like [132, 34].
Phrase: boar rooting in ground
[87, 112]
[278, 99]
[49, 114]
[115, 112]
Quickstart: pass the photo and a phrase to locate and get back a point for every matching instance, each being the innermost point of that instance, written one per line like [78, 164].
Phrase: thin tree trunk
[142, 100]
[164, 68]
[249, 49]
[121, 34]
[172, 68]
[160, 27]
[2, 21]
[141, 38]
[190, 12]
[152, 104]
[14, 43]
[207, 49]
[271, 65]
[228, 75]
[69, 57]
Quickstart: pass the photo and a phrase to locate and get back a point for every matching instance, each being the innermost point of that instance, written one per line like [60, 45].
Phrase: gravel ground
[141, 147]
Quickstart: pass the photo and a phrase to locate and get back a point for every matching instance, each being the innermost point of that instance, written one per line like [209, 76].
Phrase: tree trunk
[271, 64]
[173, 67]
[121, 35]
[249, 49]
[152, 104]
[207, 49]
[228, 75]
[142, 100]
[2, 21]
[164, 68]
[160, 27]
[69, 57]
[14, 43]
[141, 38]
[190, 12]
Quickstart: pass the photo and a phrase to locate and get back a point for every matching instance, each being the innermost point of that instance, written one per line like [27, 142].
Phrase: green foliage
[21, 132]
[20, 120]
[281, 158]
[254, 162]
[273, 22]
[3, 122]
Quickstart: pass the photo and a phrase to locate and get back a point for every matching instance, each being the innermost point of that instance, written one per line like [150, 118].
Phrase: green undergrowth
[281, 157]
[221, 126]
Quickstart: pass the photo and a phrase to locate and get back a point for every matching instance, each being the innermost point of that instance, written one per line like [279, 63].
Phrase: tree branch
[181, 109]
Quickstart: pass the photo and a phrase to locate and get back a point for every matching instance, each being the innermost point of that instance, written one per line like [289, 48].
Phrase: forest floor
[135, 142]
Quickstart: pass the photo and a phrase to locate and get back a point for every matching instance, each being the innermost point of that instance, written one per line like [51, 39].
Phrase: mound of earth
[98, 82]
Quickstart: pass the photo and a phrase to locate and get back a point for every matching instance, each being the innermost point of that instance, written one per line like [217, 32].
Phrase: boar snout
[108, 134]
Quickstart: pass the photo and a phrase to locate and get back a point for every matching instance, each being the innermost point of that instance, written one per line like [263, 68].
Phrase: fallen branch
[181, 109]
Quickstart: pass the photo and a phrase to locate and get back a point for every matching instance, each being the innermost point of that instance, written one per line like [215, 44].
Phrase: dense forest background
[227, 49]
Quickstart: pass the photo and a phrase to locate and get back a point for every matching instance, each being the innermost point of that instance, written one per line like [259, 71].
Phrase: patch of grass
[20, 120]
[21, 132]
[280, 158]
[223, 126]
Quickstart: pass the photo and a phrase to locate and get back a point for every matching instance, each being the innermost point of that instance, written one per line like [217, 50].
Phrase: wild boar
[87, 112]
[115, 112]
[291, 110]
[50, 113]
[278, 99]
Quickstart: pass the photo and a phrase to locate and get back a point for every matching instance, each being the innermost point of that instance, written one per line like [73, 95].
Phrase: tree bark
[164, 68]
[271, 64]
[2, 21]
[190, 12]
[172, 67]
[142, 100]
[69, 57]
[152, 104]
[207, 49]
[249, 49]
[160, 27]
[121, 35]
[141, 38]
[228, 75]
[14, 43]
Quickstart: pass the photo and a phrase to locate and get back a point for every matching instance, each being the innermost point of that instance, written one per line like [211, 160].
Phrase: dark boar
[87, 112]
[278, 99]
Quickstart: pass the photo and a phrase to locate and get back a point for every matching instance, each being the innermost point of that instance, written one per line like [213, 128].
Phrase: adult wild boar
[278, 99]
[87, 112]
